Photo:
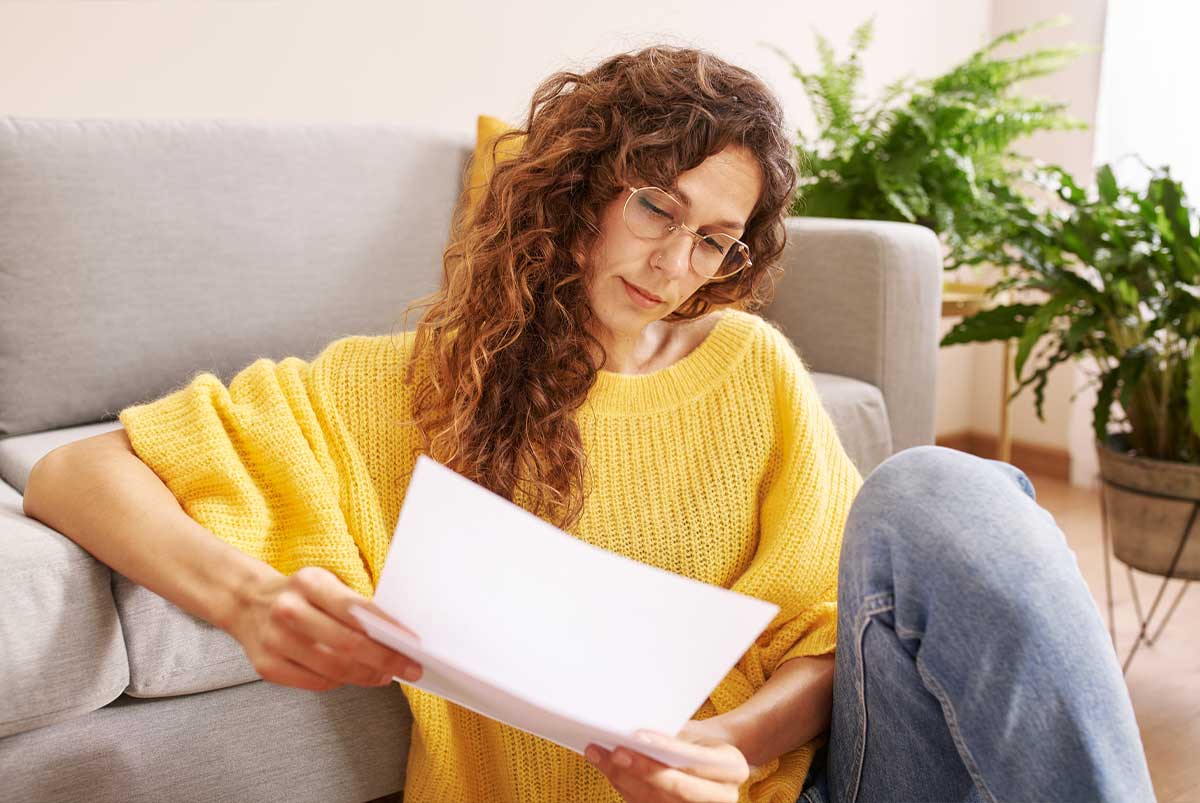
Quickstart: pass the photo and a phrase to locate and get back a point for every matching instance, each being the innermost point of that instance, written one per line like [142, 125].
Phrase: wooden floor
[1163, 679]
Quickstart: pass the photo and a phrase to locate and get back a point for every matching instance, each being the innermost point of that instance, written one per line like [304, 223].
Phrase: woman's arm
[296, 631]
[793, 707]
[99, 494]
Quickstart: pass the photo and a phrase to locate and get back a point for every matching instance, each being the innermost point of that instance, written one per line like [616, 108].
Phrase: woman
[592, 356]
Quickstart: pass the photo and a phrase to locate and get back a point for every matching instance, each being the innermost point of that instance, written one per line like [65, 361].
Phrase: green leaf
[862, 35]
[1126, 292]
[1039, 378]
[1187, 261]
[1133, 364]
[997, 323]
[1036, 326]
[900, 206]
[1015, 35]
[1080, 332]
[1193, 388]
[1104, 399]
[1106, 183]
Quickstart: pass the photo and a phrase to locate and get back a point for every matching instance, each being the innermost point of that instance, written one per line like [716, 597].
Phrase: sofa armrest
[62, 650]
[862, 298]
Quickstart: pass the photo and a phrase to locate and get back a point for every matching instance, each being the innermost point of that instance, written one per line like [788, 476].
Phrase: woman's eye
[654, 210]
[713, 245]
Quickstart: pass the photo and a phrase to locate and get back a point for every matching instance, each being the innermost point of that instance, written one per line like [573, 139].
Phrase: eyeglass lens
[652, 214]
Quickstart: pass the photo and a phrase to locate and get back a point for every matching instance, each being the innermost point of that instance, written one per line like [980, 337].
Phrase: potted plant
[934, 152]
[1112, 277]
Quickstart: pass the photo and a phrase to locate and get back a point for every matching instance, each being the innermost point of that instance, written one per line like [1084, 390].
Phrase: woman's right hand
[298, 631]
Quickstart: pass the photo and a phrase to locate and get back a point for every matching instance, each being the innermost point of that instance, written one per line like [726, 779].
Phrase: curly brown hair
[504, 348]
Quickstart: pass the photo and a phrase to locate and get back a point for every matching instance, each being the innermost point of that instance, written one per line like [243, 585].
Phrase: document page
[526, 624]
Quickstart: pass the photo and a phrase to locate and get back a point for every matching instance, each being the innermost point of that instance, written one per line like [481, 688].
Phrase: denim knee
[917, 478]
[944, 512]
[948, 464]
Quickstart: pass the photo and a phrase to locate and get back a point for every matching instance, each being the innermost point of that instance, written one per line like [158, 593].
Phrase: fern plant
[1114, 273]
[934, 152]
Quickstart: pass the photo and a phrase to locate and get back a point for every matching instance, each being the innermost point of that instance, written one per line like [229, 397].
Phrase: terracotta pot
[1147, 504]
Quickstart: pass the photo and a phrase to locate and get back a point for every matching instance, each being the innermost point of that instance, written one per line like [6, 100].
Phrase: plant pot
[1147, 504]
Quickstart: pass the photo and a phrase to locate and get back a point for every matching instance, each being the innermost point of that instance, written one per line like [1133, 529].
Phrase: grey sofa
[134, 254]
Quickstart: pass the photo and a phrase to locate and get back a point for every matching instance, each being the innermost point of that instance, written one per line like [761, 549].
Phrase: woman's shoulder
[769, 343]
[365, 372]
[375, 352]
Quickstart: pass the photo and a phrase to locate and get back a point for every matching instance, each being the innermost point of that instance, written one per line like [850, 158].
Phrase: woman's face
[722, 189]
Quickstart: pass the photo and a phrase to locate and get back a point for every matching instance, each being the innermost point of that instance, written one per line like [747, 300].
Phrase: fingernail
[593, 755]
[412, 673]
[622, 759]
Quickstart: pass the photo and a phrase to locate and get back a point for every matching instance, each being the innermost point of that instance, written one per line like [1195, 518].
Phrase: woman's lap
[972, 663]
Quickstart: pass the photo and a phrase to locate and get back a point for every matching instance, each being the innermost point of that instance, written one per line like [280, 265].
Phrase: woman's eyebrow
[725, 224]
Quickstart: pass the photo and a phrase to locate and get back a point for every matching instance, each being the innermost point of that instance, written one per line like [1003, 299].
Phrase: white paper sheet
[523, 623]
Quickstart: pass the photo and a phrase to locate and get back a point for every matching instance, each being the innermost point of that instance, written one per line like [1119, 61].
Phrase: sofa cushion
[61, 649]
[172, 652]
[256, 743]
[169, 651]
[136, 253]
[860, 417]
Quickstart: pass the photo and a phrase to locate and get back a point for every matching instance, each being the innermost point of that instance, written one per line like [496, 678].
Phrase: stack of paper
[525, 624]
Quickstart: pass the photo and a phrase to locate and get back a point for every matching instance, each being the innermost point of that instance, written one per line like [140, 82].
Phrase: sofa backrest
[134, 254]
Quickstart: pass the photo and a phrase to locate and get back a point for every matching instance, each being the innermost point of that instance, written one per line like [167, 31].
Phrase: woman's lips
[640, 296]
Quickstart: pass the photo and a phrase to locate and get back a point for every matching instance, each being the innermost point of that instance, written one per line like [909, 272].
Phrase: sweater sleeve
[804, 500]
[268, 464]
[805, 497]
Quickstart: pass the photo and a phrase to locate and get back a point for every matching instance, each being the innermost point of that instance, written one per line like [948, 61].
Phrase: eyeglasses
[653, 214]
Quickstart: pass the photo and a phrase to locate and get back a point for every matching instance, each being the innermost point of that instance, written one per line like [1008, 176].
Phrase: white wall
[1146, 103]
[432, 64]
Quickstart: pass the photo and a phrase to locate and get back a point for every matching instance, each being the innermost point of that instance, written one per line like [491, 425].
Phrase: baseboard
[1032, 458]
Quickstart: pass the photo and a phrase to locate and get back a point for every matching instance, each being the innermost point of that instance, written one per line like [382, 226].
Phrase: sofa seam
[89, 705]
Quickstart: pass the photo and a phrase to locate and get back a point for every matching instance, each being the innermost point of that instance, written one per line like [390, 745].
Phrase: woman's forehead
[726, 185]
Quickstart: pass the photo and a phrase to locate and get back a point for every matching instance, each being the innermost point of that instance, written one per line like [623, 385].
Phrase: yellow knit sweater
[723, 467]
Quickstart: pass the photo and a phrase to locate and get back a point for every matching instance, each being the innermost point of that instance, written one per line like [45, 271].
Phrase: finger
[601, 759]
[656, 781]
[327, 592]
[643, 778]
[715, 762]
[320, 659]
[285, 672]
[298, 615]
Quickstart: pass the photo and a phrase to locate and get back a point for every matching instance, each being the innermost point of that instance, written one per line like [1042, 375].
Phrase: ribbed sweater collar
[703, 368]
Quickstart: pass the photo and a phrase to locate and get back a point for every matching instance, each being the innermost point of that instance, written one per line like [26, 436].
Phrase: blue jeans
[972, 663]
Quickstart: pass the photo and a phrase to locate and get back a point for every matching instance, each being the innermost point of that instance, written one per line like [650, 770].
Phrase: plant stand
[1142, 503]
[1143, 621]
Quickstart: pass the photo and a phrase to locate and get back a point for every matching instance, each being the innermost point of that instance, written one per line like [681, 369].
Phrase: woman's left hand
[714, 775]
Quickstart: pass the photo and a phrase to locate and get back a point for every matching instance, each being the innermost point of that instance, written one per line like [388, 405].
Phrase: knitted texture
[723, 467]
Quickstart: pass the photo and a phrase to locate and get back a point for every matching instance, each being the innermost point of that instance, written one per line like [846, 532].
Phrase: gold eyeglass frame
[696, 236]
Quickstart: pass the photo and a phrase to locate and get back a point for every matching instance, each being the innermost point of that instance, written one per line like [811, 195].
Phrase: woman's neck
[658, 346]
[625, 353]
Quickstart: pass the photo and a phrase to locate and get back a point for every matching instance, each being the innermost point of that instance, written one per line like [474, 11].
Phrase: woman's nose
[676, 252]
